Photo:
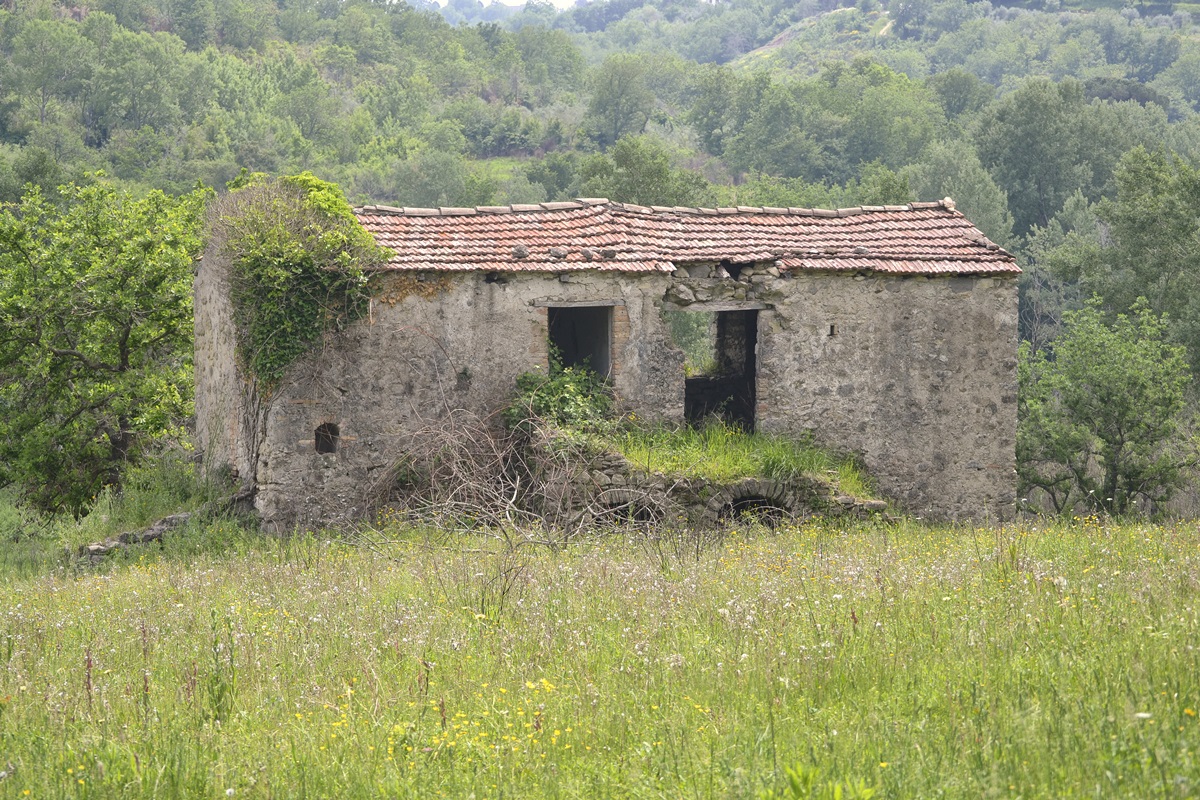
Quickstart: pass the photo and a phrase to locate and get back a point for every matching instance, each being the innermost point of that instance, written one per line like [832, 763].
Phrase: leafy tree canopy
[95, 335]
[1100, 414]
[1151, 244]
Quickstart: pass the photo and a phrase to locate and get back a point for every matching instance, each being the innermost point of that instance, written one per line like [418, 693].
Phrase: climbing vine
[297, 261]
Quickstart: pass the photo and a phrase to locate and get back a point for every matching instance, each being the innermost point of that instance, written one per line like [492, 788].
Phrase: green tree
[959, 92]
[621, 101]
[436, 178]
[1049, 285]
[1045, 141]
[638, 170]
[49, 60]
[1100, 415]
[136, 82]
[877, 186]
[1148, 245]
[778, 136]
[95, 336]
[952, 169]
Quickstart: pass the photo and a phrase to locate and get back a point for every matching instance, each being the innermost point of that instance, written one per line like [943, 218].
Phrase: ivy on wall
[297, 261]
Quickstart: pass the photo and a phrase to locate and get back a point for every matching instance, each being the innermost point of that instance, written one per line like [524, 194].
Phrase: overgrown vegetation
[572, 397]
[95, 336]
[1101, 416]
[297, 267]
[915, 661]
[719, 452]
[578, 405]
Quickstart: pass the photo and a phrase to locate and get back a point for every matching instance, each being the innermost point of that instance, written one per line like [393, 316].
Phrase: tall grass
[1022, 661]
[720, 452]
[31, 543]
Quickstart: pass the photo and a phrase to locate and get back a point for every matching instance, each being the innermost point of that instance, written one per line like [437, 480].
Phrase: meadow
[823, 660]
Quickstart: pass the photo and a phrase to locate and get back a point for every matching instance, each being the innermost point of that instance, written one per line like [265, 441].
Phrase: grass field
[902, 660]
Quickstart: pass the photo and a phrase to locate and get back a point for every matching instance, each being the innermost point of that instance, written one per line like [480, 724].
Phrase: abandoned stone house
[888, 332]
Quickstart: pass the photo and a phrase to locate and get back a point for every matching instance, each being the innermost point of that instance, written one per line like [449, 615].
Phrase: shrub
[571, 397]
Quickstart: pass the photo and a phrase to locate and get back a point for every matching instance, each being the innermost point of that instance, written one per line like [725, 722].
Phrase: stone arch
[768, 502]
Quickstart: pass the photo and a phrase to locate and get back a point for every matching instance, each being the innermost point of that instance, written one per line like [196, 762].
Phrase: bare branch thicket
[465, 472]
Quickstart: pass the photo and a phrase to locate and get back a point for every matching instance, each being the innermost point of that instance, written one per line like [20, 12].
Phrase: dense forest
[1070, 135]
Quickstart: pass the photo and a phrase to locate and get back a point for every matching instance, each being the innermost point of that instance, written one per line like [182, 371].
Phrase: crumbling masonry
[887, 332]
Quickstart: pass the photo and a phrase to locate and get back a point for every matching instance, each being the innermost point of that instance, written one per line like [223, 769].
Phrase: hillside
[1069, 135]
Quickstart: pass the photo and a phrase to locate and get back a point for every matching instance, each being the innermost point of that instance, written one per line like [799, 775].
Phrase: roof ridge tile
[584, 202]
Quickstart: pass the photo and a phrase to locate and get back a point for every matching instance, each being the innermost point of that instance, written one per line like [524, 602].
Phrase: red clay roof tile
[919, 238]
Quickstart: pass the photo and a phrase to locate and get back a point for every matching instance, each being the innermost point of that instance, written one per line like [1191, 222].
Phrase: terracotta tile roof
[595, 234]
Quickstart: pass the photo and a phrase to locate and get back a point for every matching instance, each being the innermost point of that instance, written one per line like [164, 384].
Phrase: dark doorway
[727, 391]
[582, 337]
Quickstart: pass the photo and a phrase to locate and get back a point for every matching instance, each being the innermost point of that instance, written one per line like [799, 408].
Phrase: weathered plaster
[918, 378]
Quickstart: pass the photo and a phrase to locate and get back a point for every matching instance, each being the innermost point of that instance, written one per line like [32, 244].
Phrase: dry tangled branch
[466, 472]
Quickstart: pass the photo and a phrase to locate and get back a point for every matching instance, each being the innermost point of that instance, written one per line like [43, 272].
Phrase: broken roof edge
[588, 202]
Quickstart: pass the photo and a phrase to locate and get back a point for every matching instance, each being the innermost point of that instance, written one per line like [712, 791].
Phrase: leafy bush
[572, 397]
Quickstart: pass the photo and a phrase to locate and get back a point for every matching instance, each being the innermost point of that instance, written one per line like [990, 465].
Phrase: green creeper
[296, 257]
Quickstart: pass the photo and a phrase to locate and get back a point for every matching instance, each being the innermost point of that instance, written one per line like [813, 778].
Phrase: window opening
[327, 438]
[719, 362]
[581, 336]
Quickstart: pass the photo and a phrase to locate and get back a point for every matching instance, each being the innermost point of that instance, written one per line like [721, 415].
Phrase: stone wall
[447, 341]
[605, 489]
[225, 427]
[916, 376]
